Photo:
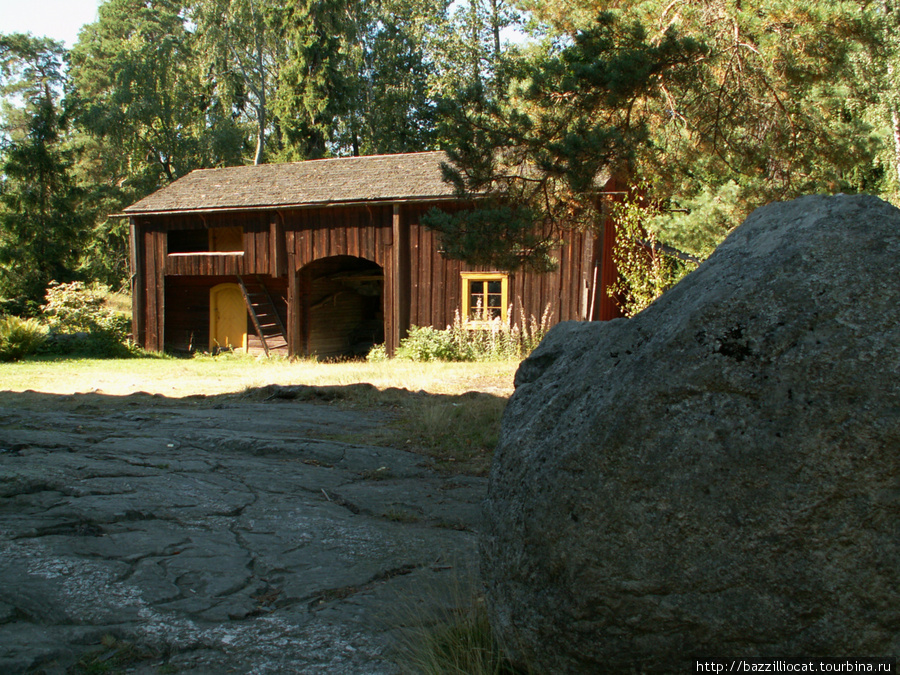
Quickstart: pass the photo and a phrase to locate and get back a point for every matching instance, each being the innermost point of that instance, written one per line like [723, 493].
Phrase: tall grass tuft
[455, 640]
[494, 340]
[20, 337]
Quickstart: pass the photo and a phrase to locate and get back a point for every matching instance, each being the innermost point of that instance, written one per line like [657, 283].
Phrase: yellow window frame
[467, 279]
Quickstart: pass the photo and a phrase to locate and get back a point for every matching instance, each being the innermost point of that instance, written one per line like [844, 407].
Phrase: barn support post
[293, 295]
[399, 282]
[158, 294]
[138, 286]
[606, 305]
[277, 246]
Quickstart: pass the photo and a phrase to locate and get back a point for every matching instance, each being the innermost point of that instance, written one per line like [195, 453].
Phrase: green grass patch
[458, 432]
[234, 374]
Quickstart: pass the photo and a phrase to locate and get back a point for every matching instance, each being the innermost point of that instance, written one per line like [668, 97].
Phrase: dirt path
[217, 536]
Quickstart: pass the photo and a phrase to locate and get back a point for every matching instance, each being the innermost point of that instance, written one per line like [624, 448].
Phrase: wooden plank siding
[420, 287]
[435, 284]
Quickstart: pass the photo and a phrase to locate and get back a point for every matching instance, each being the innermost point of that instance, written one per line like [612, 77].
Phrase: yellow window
[485, 296]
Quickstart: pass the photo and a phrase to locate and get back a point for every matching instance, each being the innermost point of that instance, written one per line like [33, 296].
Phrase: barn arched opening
[342, 306]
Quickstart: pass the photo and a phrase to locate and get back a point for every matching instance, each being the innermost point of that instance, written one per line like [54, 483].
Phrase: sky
[57, 19]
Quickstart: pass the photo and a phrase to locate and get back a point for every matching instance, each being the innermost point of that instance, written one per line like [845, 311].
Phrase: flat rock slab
[219, 538]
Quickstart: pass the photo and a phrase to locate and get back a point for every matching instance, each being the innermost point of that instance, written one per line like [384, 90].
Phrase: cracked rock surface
[220, 538]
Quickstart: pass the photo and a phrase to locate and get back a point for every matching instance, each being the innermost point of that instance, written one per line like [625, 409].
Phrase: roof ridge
[323, 159]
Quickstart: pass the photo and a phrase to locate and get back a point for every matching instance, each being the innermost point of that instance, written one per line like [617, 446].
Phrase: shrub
[494, 341]
[80, 323]
[428, 344]
[376, 354]
[20, 337]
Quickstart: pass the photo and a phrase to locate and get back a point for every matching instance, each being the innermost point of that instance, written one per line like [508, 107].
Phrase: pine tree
[774, 103]
[40, 228]
[537, 157]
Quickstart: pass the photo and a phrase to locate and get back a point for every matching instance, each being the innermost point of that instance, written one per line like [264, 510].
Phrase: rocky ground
[218, 535]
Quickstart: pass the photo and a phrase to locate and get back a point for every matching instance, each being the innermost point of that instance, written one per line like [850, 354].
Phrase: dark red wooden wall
[420, 286]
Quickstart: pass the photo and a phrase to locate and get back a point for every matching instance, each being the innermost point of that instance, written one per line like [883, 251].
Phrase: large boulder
[720, 475]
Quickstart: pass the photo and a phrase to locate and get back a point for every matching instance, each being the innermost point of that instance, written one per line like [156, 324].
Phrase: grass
[458, 432]
[449, 412]
[207, 375]
[456, 641]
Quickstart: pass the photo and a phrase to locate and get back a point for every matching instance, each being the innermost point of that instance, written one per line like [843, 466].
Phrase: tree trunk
[261, 114]
[895, 127]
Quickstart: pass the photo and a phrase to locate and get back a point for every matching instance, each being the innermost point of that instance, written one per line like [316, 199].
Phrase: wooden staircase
[264, 314]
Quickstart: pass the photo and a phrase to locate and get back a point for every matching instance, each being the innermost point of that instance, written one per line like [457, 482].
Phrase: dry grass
[178, 378]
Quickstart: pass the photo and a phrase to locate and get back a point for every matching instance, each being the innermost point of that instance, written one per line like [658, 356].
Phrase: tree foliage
[137, 88]
[241, 49]
[714, 106]
[40, 228]
[536, 158]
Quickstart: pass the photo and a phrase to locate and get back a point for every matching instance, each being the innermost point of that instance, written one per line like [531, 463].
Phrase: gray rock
[217, 539]
[719, 476]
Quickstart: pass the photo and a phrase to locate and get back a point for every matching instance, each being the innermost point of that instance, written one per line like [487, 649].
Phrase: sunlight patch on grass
[177, 377]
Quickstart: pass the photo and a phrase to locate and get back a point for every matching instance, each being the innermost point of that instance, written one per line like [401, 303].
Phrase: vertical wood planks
[420, 286]
[138, 286]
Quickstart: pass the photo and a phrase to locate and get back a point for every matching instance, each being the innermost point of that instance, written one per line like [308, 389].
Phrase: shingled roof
[415, 176]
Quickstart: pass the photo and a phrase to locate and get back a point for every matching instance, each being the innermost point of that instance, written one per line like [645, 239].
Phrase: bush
[376, 354]
[428, 344]
[80, 323]
[495, 341]
[20, 337]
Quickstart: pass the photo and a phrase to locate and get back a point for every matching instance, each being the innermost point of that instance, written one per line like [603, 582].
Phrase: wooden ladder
[263, 313]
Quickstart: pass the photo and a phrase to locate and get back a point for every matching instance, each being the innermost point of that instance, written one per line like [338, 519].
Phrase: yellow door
[227, 318]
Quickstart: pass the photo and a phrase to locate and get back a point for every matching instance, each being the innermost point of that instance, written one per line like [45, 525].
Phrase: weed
[377, 353]
[490, 341]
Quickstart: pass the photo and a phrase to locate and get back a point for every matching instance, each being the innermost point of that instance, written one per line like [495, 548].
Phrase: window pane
[485, 299]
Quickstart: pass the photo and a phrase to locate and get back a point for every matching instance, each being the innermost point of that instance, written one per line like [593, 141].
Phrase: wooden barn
[328, 257]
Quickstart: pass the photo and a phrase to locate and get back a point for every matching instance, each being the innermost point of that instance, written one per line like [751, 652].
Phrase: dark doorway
[342, 307]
